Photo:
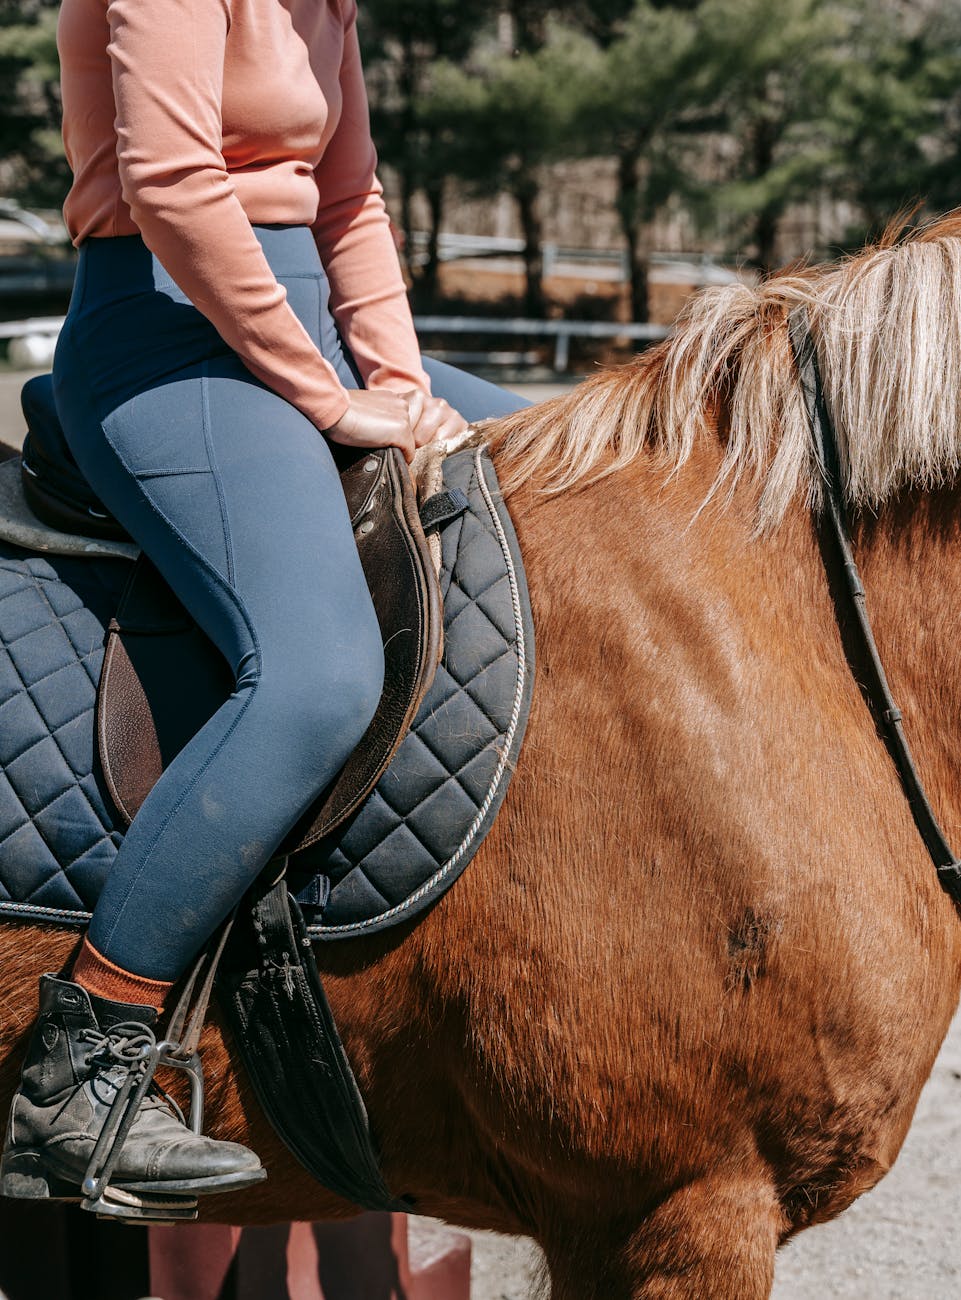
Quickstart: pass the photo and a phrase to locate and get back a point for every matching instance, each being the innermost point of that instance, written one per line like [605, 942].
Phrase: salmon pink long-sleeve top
[190, 120]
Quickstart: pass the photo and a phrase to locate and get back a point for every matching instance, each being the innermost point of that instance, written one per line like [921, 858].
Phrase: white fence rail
[47, 326]
[32, 341]
[561, 331]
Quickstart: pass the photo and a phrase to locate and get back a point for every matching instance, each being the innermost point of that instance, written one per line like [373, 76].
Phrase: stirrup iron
[179, 1051]
[127, 1203]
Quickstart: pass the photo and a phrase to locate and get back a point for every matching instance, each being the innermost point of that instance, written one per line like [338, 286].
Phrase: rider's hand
[432, 418]
[376, 418]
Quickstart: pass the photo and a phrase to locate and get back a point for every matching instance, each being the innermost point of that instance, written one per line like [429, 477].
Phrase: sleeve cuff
[328, 414]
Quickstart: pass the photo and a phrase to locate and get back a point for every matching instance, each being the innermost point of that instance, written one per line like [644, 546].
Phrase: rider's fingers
[417, 403]
[451, 424]
[407, 444]
[438, 421]
[380, 419]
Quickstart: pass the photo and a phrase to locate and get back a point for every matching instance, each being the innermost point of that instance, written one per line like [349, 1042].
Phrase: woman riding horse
[683, 1002]
[238, 301]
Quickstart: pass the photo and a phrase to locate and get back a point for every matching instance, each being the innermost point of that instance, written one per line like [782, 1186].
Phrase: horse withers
[683, 1002]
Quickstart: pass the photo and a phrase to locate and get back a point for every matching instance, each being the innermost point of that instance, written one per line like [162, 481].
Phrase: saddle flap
[160, 682]
[162, 679]
[404, 587]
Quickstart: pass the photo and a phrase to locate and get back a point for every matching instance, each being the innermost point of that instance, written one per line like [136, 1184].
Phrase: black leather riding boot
[82, 1050]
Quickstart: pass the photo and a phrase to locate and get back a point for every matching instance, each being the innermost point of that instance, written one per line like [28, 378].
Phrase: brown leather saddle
[162, 679]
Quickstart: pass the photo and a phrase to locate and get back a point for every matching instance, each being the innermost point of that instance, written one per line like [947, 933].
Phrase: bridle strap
[860, 646]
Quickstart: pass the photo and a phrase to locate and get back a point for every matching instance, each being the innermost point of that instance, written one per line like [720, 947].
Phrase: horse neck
[709, 579]
[910, 561]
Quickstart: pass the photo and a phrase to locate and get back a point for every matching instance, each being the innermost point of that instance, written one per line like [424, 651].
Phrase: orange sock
[105, 980]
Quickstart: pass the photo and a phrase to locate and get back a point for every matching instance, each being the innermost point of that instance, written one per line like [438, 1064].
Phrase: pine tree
[507, 117]
[402, 44]
[896, 120]
[777, 67]
[32, 166]
[649, 101]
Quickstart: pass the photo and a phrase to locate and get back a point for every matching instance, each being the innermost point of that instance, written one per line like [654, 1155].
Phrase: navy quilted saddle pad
[403, 848]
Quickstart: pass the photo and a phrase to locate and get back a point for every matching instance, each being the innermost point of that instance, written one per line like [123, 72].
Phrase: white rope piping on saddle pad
[318, 931]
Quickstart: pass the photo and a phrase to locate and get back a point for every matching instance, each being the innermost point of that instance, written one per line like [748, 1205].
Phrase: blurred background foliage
[32, 166]
[730, 112]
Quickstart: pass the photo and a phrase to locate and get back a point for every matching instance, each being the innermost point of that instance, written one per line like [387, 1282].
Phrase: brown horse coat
[684, 1000]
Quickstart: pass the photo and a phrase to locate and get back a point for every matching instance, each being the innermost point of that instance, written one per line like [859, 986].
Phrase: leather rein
[851, 608]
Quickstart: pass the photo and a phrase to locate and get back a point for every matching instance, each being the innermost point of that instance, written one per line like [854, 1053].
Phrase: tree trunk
[765, 136]
[407, 190]
[407, 85]
[525, 195]
[530, 25]
[628, 207]
[434, 191]
[765, 237]
[638, 269]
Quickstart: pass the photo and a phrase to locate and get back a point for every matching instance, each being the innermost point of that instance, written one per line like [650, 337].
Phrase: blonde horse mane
[887, 328]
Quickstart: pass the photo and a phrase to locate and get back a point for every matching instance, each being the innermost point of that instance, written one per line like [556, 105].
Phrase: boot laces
[124, 1044]
[125, 1047]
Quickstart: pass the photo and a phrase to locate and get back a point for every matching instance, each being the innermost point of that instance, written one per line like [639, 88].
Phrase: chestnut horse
[684, 1000]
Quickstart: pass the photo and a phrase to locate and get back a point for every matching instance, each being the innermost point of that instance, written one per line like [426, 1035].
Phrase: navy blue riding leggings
[233, 494]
